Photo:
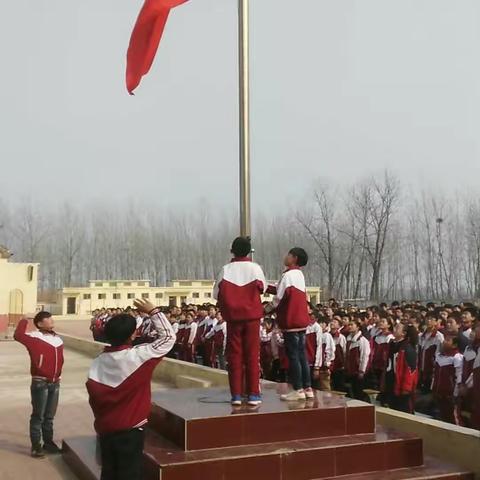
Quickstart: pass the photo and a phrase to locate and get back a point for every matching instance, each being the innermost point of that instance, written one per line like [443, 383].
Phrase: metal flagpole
[244, 108]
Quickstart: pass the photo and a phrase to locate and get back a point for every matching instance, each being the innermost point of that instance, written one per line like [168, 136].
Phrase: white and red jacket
[45, 350]
[380, 345]
[469, 356]
[429, 344]
[238, 290]
[473, 383]
[328, 350]
[447, 374]
[190, 333]
[210, 324]
[220, 337]
[357, 355]
[290, 301]
[313, 345]
[340, 342]
[119, 380]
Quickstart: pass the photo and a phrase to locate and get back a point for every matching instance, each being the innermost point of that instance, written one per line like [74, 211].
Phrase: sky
[340, 90]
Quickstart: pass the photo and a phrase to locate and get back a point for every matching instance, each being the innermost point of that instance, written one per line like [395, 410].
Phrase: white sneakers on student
[309, 393]
[294, 396]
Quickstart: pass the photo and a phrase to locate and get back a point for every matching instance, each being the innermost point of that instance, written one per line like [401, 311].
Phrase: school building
[122, 293]
[18, 290]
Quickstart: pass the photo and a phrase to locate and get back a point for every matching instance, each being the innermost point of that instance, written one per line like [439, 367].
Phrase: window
[117, 296]
[99, 284]
[127, 284]
[183, 299]
[208, 295]
[87, 296]
[159, 295]
[102, 296]
[31, 269]
[141, 284]
[195, 295]
[130, 296]
[145, 295]
[112, 284]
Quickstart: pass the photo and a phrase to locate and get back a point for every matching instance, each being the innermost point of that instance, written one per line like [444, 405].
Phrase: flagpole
[244, 123]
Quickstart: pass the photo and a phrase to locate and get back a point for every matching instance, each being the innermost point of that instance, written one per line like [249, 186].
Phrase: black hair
[40, 317]
[119, 329]
[411, 334]
[300, 254]
[241, 246]
[472, 310]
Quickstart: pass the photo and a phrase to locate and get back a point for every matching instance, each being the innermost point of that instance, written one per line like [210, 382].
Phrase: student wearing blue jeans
[44, 407]
[290, 303]
[298, 370]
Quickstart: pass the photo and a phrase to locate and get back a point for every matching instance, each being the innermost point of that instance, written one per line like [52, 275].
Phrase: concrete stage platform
[197, 434]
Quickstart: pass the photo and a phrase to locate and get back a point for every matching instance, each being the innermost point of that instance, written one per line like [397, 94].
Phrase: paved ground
[74, 416]
[79, 328]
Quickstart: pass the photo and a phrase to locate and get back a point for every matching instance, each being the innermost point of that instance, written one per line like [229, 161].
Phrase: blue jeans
[44, 406]
[298, 369]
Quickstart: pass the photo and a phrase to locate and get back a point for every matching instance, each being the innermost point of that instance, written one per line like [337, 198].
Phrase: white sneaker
[309, 393]
[293, 396]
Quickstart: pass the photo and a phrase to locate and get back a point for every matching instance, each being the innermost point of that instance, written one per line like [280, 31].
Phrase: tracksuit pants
[243, 355]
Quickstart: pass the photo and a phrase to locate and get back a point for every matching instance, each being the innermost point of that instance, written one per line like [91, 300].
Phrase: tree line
[374, 239]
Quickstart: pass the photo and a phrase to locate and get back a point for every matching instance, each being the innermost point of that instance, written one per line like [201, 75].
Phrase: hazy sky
[340, 88]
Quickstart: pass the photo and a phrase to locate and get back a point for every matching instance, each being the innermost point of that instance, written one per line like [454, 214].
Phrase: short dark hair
[300, 254]
[40, 317]
[119, 329]
[241, 246]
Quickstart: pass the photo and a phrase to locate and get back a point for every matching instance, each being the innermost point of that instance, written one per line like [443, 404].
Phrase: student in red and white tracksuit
[46, 361]
[293, 319]
[220, 342]
[266, 355]
[208, 332]
[401, 377]
[470, 390]
[380, 344]
[338, 365]
[447, 379]
[328, 357]
[238, 290]
[280, 360]
[189, 338]
[430, 343]
[313, 348]
[357, 358]
[120, 394]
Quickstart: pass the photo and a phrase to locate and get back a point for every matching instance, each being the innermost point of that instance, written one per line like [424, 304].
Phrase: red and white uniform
[188, 347]
[208, 333]
[220, 337]
[448, 374]
[313, 345]
[357, 355]
[429, 345]
[473, 383]
[380, 350]
[469, 357]
[119, 380]
[340, 342]
[328, 350]
[45, 350]
[266, 353]
[290, 301]
[446, 379]
[238, 290]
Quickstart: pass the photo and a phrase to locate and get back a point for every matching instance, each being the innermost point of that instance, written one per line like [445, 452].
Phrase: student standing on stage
[238, 290]
[291, 306]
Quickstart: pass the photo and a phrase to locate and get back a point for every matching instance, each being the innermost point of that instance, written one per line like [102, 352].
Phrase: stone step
[199, 419]
[295, 460]
[431, 470]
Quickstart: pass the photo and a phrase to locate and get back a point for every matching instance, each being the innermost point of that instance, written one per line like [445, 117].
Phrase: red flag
[145, 39]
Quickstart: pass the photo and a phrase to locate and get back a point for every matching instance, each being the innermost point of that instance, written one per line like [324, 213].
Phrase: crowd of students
[422, 357]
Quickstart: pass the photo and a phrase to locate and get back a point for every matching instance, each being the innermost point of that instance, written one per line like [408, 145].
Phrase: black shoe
[51, 447]
[37, 452]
